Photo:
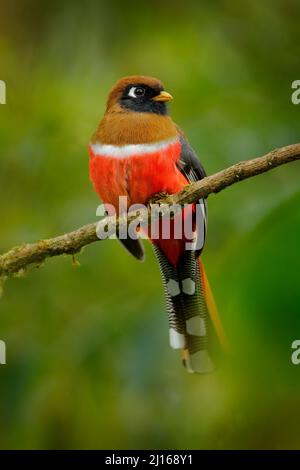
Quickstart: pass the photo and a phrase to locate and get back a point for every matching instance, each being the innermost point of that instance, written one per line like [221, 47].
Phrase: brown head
[139, 94]
[136, 112]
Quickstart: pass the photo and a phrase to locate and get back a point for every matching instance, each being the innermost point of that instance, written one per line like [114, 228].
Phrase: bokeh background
[88, 361]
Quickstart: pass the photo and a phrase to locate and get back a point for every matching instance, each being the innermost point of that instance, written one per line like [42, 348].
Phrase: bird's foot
[158, 197]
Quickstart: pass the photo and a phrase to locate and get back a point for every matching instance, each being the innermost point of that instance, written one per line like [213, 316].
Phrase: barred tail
[187, 310]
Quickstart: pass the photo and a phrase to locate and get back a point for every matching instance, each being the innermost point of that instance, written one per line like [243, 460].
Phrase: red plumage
[139, 177]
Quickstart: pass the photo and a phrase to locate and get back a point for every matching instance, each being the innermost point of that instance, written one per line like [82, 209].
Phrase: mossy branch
[19, 258]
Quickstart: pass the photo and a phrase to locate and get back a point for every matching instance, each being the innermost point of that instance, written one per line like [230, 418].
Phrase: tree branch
[19, 258]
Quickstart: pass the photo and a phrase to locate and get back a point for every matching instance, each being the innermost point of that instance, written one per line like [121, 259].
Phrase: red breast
[137, 173]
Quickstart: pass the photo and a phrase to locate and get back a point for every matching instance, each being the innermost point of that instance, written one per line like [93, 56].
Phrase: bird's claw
[158, 197]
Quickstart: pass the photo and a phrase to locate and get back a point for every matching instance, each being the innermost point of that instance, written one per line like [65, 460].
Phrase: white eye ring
[132, 92]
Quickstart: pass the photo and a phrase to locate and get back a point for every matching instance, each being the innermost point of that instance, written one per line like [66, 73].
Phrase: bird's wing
[188, 163]
[135, 248]
[190, 166]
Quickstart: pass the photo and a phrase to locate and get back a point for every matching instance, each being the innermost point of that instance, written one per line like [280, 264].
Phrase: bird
[137, 152]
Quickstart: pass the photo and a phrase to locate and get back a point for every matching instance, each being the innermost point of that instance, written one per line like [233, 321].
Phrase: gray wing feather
[192, 169]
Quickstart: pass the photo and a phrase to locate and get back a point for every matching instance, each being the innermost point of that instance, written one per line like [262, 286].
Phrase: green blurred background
[88, 361]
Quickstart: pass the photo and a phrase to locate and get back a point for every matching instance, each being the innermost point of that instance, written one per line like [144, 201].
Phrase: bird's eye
[139, 91]
[136, 91]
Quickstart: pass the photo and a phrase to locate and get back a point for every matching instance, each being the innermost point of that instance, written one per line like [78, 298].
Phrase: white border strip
[123, 151]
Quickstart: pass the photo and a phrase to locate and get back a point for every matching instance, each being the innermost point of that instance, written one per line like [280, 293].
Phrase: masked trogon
[137, 151]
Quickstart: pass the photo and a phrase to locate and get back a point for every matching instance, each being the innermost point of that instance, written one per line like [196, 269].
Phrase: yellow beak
[163, 96]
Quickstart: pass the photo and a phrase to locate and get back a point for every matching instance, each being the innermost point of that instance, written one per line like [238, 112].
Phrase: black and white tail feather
[187, 310]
